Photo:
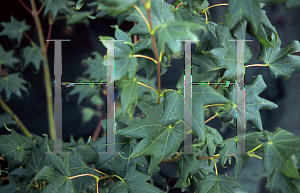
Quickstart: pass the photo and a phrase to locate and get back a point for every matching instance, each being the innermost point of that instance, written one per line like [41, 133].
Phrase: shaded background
[84, 40]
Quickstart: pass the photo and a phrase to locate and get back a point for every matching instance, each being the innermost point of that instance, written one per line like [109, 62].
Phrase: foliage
[142, 143]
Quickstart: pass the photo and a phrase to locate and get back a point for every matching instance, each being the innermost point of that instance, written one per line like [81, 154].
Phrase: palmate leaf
[13, 84]
[167, 28]
[279, 60]
[14, 148]
[33, 54]
[129, 94]
[14, 29]
[107, 162]
[134, 182]
[96, 70]
[37, 159]
[207, 70]
[261, 34]
[253, 103]
[6, 58]
[7, 119]
[174, 106]
[125, 63]
[56, 6]
[84, 91]
[187, 164]
[158, 140]
[116, 7]
[77, 17]
[78, 167]
[216, 184]
[57, 175]
[248, 9]
[225, 56]
[229, 148]
[278, 151]
[279, 181]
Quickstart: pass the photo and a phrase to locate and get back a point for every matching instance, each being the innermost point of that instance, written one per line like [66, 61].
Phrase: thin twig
[49, 95]
[138, 9]
[29, 38]
[25, 6]
[39, 11]
[17, 120]
[178, 5]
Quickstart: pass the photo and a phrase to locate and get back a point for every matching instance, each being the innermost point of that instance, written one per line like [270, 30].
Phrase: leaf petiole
[138, 9]
[143, 56]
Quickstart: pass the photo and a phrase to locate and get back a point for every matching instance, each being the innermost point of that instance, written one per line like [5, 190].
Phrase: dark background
[84, 40]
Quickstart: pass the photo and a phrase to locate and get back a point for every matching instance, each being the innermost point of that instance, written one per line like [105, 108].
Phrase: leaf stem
[146, 86]
[213, 105]
[15, 117]
[178, 5]
[219, 85]
[138, 9]
[211, 118]
[206, 20]
[46, 71]
[212, 158]
[100, 172]
[216, 6]
[155, 51]
[49, 30]
[143, 56]
[25, 6]
[29, 38]
[256, 65]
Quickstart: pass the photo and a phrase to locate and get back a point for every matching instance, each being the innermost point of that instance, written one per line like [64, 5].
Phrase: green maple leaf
[77, 17]
[33, 54]
[253, 103]
[14, 148]
[158, 140]
[187, 164]
[261, 34]
[57, 6]
[206, 70]
[96, 70]
[84, 91]
[14, 29]
[129, 93]
[7, 119]
[15, 186]
[167, 28]
[213, 138]
[225, 56]
[78, 167]
[207, 36]
[237, 10]
[279, 181]
[229, 148]
[6, 58]
[133, 182]
[125, 63]
[124, 145]
[13, 84]
[278, 151]
[174, 106]
[279, 60]
[37, 159]
[116, 7]
[216, 184]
